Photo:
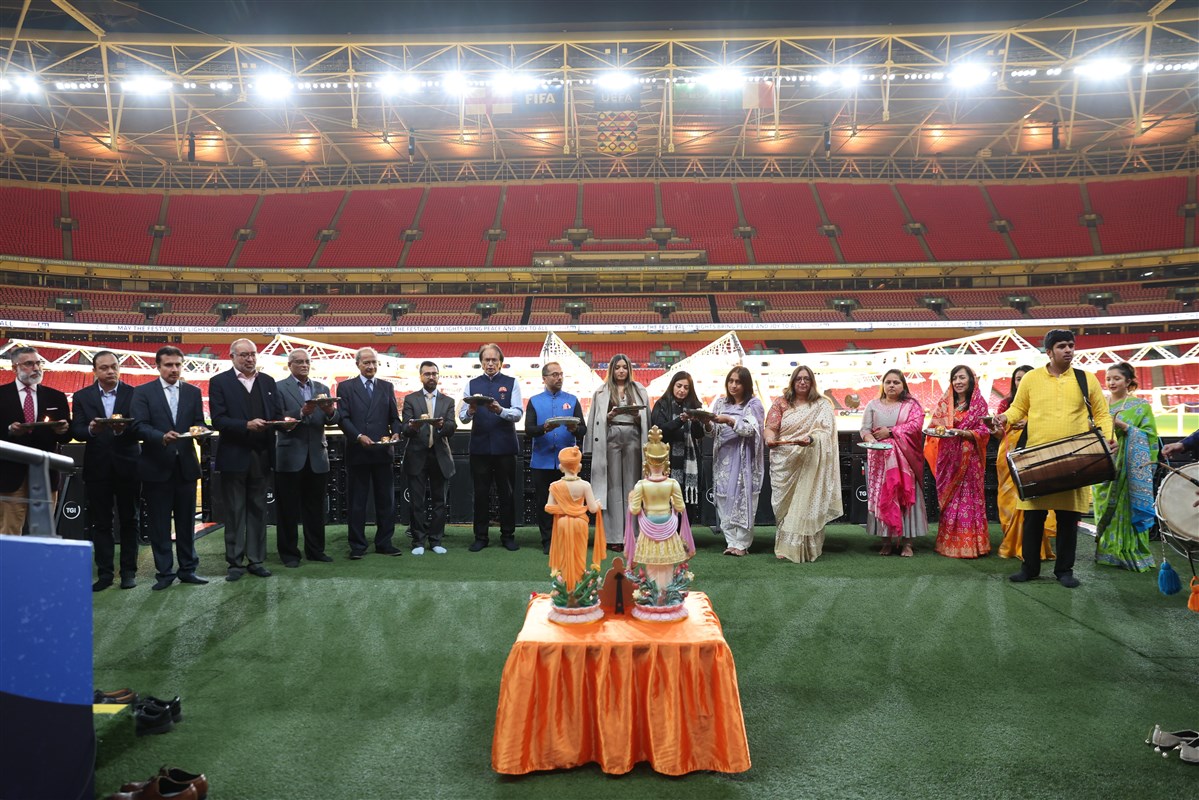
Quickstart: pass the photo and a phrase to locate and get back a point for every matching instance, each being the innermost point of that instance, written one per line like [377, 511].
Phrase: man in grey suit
[428, 421]
[368, 413]
[164, 410]
[302, 462]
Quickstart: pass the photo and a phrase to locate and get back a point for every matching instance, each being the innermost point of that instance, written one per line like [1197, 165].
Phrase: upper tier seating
[618, 210]
[203, 228]
[1140, 215]
[1044, 219]
[955, 218]
[286, 228]
[705, 214]
[113, 228]
[371, 227]
[787, 224]
[452, 225]
[533, 215]
[27, 222]
[871, 223]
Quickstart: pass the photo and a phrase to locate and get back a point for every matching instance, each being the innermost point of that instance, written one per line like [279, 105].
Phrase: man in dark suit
[242, 402]
[428, 462]
[302, 463]
[110, 456]
[165, 409]
[368, 413]
[22, 402]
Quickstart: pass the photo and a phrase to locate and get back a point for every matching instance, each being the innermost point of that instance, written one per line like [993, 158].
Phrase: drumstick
[1179, 473]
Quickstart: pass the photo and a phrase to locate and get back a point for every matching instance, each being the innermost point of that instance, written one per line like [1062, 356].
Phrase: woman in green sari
[1124, 507]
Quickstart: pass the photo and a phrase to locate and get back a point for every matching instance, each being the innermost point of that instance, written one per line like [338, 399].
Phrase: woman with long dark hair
[738, 463]
[958, 463]
[684, 435]
[894, 499]
[616, 432]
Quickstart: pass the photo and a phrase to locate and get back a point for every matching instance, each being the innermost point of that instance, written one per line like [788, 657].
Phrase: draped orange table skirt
[618, 692]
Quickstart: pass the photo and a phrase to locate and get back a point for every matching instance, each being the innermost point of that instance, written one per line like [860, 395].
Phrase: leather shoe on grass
[115, 697]
[388, 551]
[259, 570]
[158, 788]
[175, 775]
[477, 545]
[356, 556]
[128, 582]
[150, 719]
[1020, 577]
[101, 584]
[161, 584]
[291, 564]
[192, 578]
[321, 557]
[511, 545]
[174, 706]
[1068, 580]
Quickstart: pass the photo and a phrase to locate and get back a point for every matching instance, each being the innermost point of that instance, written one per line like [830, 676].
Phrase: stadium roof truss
[94, 107]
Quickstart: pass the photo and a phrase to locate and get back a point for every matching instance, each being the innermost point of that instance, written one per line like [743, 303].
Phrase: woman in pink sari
[895, 500]
[958, 463]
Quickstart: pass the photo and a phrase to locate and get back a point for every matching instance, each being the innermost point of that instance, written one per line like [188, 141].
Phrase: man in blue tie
[368, 413]
[164, 410]
[549, 438]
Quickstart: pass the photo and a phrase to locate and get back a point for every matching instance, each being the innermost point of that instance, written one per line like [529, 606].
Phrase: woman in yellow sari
[1011, 518]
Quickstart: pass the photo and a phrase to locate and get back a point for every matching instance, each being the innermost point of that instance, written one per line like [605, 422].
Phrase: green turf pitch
[860, 676]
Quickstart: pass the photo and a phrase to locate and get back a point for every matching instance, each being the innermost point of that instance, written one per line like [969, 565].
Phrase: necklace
[570, 477]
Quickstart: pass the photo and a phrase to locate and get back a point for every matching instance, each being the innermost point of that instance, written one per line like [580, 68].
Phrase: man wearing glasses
[24, 403]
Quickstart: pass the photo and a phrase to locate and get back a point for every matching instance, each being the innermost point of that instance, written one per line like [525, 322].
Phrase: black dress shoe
[477, 545]
[1068, 580]
[321, 557]
[356, 556]
[1019, 577]
[259, 570]
[101, 584]
[174, 706]
[192, 578]
[545, 548]
[128, 582]
[150, 719]
[389, 551]
[233, 575]
[291, 564]
[510, 544]
[162, 583]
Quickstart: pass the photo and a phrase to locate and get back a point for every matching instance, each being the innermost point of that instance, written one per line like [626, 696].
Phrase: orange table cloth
[619, 692]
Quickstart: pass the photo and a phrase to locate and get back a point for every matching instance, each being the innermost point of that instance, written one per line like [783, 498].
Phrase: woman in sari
[805, 478]
[737, 460]
[683, 434]
[1124, 507]
[1011, 518]
[615, 437]
[958, 463]
[895, 500]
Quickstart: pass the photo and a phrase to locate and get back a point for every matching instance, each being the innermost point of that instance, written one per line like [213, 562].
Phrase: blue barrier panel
[47, 740]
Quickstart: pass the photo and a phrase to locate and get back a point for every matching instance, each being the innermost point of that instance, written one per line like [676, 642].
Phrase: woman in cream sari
[804, 473]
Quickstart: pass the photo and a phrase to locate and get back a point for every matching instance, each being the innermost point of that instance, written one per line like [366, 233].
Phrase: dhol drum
[1176, 510]
[1062, 465]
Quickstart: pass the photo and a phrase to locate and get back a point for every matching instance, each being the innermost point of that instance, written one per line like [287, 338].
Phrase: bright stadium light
[455, 83]
[145, 84]
[849, 78]
[1103, 69]
[26, 84]
[967, 75]
[396, 84]
[273, 86]
[722, 80]
[614, 81]
[508, 83]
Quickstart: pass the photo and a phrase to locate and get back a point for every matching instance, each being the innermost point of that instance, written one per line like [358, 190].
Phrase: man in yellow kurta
[1051, 399]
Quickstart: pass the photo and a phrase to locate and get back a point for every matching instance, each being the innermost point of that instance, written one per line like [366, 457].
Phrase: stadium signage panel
[618, 99]
[541, 99]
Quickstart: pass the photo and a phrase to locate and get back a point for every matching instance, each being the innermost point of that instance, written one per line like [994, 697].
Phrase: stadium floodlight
[849, 78]
[1103, 69]
[395, 84]
[26, 84]
[723, 79]
[455, 83]
[967, 75]
[614, 81]
[145, 84]
[273, 86]
[509, 83]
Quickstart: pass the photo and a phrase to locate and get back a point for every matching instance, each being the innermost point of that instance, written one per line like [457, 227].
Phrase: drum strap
[1081, 377]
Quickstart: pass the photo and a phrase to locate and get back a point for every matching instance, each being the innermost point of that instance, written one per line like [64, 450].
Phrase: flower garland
[647, 593]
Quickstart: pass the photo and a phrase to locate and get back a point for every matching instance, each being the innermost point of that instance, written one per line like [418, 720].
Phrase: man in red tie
[24, 402]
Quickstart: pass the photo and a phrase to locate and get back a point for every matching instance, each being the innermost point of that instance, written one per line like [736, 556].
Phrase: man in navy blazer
[169, 468]
[368, 413]
[242, 402]
[302, 463]
[22, 401]
[428, 462]
[110, 456]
